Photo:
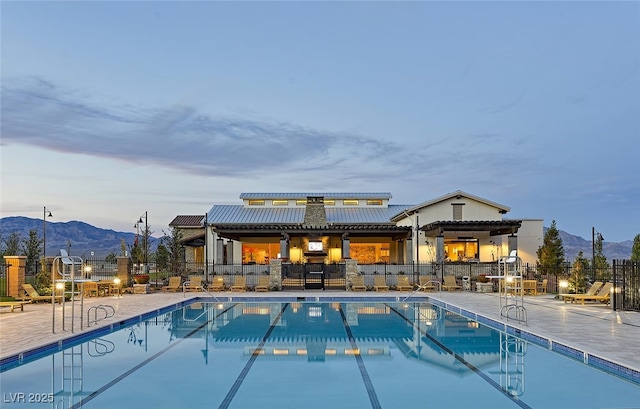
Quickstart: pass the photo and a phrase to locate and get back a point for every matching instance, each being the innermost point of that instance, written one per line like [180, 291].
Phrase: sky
[113, 109]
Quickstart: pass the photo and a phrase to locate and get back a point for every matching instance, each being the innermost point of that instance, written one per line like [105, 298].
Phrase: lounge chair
[14, 304]
[193, 284]
[240, 284]
[380, 284]
[428, 283]
[263, 283]
[218, 284]
[33, 296]
[603, 295]
[404, 284]
[597, 285]
[450, 284]
[357, 284]
[173, 285]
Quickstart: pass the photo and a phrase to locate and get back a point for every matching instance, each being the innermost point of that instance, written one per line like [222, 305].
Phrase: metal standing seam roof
[239, 214]
[343, 195]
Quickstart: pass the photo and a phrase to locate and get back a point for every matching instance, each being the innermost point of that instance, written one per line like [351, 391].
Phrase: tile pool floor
[595, 329]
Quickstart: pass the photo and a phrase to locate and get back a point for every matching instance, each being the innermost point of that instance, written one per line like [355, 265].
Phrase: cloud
[38, 112]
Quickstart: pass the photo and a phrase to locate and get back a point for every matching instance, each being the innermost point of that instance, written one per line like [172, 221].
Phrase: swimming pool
[312, 355]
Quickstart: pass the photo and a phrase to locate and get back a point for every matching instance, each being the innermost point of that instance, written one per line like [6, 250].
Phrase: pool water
[311, 355]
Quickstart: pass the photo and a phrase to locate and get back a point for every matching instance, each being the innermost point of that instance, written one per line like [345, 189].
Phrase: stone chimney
[314, 214]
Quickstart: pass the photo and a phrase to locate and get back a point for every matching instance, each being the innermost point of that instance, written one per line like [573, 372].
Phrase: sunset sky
[111, 109]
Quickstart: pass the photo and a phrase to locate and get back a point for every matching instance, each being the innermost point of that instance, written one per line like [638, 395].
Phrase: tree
[635, 250]
[31, 248]
[111, 258]
[175, 249]
[162, 258]
[601, 267]
[578, 278]
[12, 244]
[551, 253]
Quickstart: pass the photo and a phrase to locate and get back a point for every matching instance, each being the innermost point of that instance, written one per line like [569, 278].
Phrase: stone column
[15, 267]
[124, 270]
[346, 246]
[219, 256]
[351, 270]
[439, 249]
[275, 274]
[284, 246]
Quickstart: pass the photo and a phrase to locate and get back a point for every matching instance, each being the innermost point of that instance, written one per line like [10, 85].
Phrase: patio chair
[428, 283]
[591, 291]
[603, 295]
[174, 284]
[263, 283]
[90, 289]
[404, 284]
[218, 284]
[380, 284]
[542, 287]
[357, 284]
[240, 284]
[193, 284]
[450, 284]
[33, 296]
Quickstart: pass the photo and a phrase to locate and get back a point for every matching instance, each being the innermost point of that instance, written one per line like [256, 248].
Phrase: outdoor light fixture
[563, 284]
[44, 237]
[146, 238]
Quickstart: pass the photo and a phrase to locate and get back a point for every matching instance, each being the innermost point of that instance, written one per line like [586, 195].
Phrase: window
[350, 202]
[329, 202]
[278, 202]
[462, 249]
[256, 202]
[374, 202]
[457, 211]
[301, 202]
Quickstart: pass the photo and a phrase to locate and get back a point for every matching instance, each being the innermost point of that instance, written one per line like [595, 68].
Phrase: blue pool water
[311, 355]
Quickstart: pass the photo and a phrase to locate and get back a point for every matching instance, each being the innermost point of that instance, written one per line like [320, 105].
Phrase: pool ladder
[105, 311]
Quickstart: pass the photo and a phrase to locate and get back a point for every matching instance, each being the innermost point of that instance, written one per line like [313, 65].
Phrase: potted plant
[483, 278]
[141, 278]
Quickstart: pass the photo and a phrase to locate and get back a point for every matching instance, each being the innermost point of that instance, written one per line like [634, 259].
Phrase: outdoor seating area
[33, 296]
[14, 304]
[603, 295]
[173, 285]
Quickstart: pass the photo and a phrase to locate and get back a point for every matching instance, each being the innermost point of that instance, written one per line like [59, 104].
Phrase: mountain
[574, 244]
[83, 238]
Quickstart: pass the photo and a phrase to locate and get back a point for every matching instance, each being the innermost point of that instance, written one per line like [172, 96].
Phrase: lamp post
[145, 240]
[44, 238]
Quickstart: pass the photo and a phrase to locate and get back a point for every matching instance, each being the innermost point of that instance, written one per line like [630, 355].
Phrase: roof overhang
[238, 231]
[494, 227]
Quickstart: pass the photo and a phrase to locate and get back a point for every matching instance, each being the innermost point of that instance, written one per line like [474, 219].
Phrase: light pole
[44, 238]
[145, 240]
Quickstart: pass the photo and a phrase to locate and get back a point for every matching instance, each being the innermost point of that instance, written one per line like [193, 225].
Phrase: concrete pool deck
[592, 328]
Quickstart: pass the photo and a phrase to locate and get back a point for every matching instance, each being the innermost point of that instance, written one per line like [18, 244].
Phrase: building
[327, 228]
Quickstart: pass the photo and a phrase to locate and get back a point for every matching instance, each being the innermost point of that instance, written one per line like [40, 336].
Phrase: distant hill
[574, 244]
[84, 238]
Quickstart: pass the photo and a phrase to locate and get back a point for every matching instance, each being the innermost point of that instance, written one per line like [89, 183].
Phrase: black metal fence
[626, 277]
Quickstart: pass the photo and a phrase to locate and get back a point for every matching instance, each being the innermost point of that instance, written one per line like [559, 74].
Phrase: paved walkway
[594, 329]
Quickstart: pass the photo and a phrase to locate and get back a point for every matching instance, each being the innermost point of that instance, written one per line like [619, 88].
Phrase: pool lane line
[366, 379]
[463, 361]
[256, 352]
[114, 381]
